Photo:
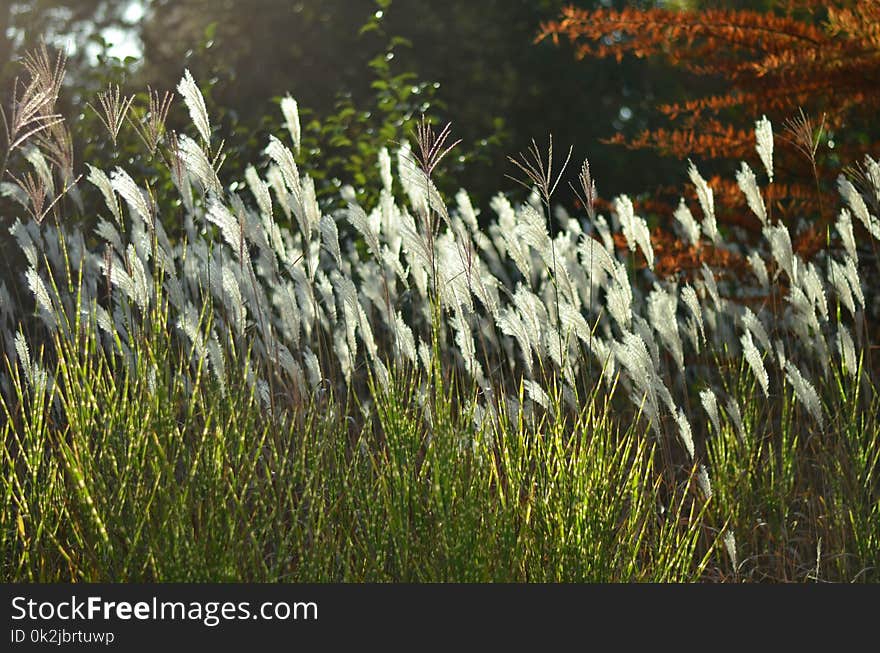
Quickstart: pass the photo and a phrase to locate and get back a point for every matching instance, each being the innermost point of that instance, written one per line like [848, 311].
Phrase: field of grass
[236, 383]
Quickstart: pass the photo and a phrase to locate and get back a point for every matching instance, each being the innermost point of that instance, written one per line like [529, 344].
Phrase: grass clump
[226, 382]
[126, 474]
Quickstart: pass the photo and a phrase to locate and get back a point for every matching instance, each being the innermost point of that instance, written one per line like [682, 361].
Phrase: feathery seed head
[290, 110]
[805, 392]
[753, 358]
[195, 103]
[690, 228]
[764, 144]
[707, 203]
[538, 172]
[710, 405]
[432, 146]
[747, 183]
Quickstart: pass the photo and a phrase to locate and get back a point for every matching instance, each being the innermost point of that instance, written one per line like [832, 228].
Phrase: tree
[812, 66]
[820, 56]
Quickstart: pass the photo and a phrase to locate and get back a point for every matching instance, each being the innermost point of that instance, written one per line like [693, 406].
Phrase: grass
[124, 474]
[112, 476]
[414, 397]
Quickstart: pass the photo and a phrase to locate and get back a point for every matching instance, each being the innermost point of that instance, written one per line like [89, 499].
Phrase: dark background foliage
[361, 70]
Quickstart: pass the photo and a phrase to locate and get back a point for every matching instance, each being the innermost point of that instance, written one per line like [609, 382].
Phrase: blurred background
[360, 70]
[363, 71]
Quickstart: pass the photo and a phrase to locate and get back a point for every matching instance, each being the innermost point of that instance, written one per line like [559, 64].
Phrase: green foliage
[117, 473]
[495, 85]
[346, 143]
[269, 389]
[124, 474]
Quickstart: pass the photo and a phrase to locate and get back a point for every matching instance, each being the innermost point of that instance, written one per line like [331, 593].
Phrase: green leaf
[340, 141]
[371, 26]
[400, 40]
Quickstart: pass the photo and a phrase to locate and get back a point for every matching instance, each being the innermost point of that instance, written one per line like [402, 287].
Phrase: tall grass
[213, 385]
[115, 474]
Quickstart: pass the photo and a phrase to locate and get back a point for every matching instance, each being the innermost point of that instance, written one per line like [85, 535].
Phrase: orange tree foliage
[822, 57]
[825, 58]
